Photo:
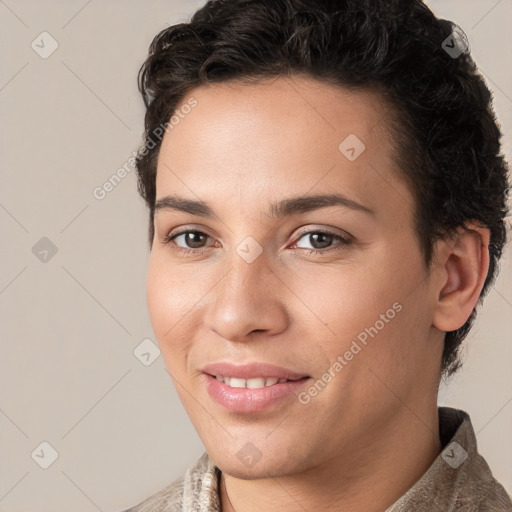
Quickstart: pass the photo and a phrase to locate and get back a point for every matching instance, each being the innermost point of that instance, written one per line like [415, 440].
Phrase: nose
[249, 297]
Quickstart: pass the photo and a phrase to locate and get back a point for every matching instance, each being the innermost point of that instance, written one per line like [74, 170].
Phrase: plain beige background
[71, 321]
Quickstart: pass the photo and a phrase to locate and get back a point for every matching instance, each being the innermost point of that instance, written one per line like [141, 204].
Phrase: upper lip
[251, 371]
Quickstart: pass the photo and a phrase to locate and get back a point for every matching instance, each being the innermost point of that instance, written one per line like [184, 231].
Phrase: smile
[254, 383]
[253, 395]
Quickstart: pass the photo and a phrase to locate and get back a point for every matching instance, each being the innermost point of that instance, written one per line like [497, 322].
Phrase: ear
[463, 263]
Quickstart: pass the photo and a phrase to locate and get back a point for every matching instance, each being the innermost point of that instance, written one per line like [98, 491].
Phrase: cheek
[169, 302]
[350, 298]
[372, 311]
[158, 295]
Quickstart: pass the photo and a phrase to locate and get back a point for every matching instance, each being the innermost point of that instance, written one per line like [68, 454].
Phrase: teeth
[255, 383]
[237, 383]
[258, 382]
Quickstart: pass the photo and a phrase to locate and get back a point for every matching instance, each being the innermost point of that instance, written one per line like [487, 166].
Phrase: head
[254, 103]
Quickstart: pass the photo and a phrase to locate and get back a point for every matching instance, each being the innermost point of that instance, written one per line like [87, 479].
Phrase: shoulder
[197, 490]
[475, 487]
[479, 491]
[459, 480]
[169, 499]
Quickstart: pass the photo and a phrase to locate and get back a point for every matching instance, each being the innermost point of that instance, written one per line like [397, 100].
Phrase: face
[332, 292]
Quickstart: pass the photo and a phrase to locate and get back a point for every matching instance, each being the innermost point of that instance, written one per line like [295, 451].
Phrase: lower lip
[245, 400]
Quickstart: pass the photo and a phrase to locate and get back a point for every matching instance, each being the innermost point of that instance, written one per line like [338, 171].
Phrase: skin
[372, 431]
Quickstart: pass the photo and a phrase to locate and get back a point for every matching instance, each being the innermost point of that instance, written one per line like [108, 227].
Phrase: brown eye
[191, 240]
[321, 241]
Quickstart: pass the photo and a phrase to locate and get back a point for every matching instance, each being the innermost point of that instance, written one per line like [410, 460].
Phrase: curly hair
[446, 137]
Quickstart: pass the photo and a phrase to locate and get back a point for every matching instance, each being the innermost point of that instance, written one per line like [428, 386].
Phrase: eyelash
[343, 242]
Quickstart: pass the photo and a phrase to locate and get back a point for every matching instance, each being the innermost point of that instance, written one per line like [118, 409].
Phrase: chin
[233, 464]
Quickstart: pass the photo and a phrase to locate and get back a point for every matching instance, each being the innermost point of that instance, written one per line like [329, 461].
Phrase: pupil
[192, 238]
[315, 237]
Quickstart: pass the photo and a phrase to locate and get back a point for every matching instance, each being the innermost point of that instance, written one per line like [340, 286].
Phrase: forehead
[284, 110]
[285, 134]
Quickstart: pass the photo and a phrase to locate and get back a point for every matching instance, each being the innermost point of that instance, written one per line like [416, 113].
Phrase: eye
[324, 238]
[195, 239]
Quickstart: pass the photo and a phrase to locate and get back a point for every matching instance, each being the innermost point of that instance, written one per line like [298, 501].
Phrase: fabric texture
[459, 480]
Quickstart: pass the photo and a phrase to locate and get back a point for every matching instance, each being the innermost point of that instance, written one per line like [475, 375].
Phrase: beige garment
[458, 480]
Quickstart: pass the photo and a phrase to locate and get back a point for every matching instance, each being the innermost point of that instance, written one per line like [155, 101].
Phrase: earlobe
[464, 261]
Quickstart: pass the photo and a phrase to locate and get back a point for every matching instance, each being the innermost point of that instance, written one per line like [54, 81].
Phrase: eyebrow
[281, 209]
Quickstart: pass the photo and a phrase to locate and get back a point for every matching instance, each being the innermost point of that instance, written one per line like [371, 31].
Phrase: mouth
[252, 388]
[254, 382]
[251, 371]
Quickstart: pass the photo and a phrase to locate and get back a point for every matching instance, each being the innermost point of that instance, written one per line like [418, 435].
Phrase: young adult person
[327, 199]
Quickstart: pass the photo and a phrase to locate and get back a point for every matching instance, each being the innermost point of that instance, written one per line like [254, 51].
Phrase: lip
[246, 400]
[250, 401]
[251, 371]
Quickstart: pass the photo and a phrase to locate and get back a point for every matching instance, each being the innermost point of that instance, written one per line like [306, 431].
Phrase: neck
[372, 477]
